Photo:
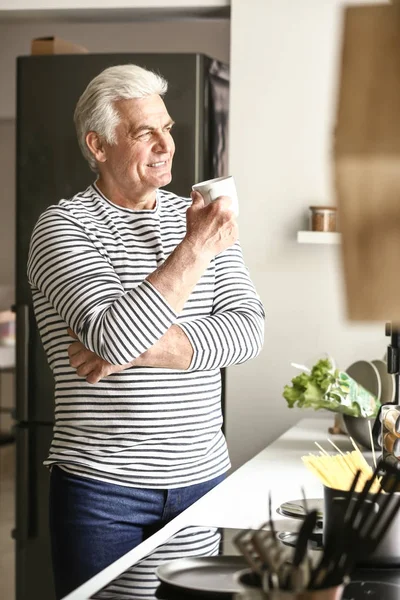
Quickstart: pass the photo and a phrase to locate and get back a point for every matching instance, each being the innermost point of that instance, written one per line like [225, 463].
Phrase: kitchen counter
[241, 501]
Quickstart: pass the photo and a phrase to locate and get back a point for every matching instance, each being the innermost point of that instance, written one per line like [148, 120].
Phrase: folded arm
[234, 332]
[172, 351]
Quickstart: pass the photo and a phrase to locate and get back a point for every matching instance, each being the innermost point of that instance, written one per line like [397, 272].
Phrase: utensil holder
[387, 553]
[250, 582]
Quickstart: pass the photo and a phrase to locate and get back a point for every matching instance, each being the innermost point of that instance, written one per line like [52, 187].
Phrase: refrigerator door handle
[22, 363]
[25, 509]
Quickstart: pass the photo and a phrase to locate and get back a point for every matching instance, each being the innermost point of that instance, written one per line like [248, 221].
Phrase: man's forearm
[172, 351]
[179, 274]
[210, 230]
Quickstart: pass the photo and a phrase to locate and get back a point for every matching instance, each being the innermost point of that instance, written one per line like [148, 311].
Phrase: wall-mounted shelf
[318, 237]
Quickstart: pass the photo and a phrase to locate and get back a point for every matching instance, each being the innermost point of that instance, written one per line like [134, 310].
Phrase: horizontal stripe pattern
[140, 582]
[144, 427]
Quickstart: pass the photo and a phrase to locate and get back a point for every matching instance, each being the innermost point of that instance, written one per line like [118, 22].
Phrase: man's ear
[95, 145]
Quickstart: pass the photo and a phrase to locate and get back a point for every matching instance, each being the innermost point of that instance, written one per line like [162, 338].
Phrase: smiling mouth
[158, 164]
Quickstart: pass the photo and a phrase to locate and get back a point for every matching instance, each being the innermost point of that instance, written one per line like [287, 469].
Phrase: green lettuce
[329, 388]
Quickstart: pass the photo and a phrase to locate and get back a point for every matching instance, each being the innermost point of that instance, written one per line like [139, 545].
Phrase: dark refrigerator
[50, 167]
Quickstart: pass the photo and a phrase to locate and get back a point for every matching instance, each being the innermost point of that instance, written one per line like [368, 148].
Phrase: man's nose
[164, 142]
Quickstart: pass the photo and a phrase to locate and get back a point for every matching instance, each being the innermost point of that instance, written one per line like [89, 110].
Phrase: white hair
[95, 110]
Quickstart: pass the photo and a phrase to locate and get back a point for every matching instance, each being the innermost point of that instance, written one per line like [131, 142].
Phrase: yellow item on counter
[337, 471]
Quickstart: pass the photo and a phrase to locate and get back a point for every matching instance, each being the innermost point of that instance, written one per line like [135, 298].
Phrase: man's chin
[164, 179]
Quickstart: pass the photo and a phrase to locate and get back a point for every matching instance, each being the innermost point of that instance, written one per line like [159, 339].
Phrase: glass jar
[323, 218]
[390, 418]
[391, 444]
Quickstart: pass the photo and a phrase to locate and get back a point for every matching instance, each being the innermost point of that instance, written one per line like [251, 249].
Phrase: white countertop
[241, 501]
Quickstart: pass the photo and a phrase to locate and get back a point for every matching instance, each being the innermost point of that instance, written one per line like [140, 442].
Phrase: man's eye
[144, 135]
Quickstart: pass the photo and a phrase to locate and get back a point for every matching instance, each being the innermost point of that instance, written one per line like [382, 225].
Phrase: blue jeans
[93, 523]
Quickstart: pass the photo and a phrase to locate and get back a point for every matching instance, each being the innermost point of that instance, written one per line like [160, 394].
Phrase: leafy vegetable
[329, 388]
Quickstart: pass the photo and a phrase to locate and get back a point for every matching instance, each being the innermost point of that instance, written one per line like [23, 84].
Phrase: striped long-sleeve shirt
[143, 427]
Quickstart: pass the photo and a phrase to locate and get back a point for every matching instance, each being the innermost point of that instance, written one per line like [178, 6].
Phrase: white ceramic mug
[222, 186]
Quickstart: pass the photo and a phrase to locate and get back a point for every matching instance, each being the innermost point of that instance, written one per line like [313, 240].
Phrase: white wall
[283, 76]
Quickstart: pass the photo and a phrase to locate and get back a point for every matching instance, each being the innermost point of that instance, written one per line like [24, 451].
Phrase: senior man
[140, 297]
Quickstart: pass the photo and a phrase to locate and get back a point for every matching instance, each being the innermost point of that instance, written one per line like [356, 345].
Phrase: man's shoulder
[82, 202]
[173, 201]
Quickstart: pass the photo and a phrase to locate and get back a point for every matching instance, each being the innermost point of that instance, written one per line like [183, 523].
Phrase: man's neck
[126, 199]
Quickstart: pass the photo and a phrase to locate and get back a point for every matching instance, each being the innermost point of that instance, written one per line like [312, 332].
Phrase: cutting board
[366, 151]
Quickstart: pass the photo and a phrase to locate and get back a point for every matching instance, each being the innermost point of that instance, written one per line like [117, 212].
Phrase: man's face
[141, 159]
